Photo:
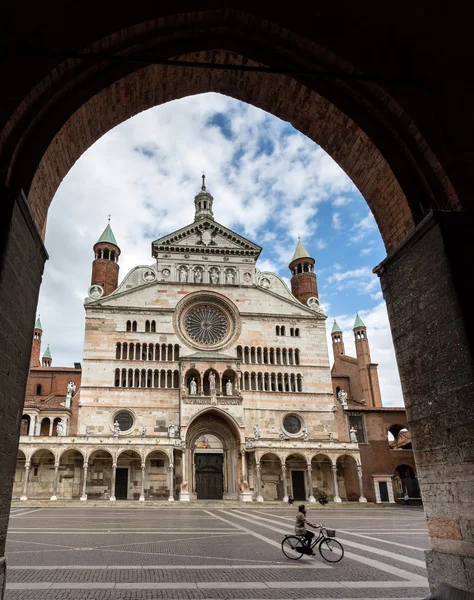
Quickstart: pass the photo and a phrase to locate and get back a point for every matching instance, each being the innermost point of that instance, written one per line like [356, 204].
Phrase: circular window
[206, 324]
[292, 424]
[208, 321]
[125, 420]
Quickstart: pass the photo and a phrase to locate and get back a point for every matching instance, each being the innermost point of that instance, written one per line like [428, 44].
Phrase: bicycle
[294, 546]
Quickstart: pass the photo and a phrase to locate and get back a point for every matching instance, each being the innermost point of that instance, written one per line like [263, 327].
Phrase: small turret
[36, 346]
[203, 203]
[47, 358]
[337, 340]
[368, 375]
[105, 268]
[303, 281]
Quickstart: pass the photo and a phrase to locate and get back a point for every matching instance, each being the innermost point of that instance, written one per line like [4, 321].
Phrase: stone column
[427, 285]
[84, 481]
[171, 482]
[112, 483]
[336, 484]
[184, 493]
[310, 496]
[51, 427]
[362, 498]
[244, 495]
[142, 491]
[25, 484]
[285, 485]
[31, 430]
[55, 481]
[259, 484]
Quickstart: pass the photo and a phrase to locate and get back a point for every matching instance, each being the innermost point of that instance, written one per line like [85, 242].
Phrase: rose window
[206, 324]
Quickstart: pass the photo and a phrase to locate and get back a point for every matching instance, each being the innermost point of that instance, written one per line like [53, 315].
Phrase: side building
[381, 432]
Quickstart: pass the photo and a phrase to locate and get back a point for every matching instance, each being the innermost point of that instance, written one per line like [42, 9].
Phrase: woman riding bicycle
[300, 527]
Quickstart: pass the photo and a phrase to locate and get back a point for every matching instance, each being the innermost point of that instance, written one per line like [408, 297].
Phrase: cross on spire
[203, 187]
[109, 219]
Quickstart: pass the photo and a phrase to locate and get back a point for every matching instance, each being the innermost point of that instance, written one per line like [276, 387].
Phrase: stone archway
[42, 472]
[71, 475]
[404, 159]
[322, 477]
[100, 480]
[211, 457]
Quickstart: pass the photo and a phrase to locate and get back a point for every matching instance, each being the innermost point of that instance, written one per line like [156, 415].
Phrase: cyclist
[300, 528]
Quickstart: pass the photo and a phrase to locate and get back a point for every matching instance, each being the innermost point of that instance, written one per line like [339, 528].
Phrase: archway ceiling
[417, 105]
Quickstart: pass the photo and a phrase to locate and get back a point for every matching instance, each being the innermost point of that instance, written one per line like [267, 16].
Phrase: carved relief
[149, 276]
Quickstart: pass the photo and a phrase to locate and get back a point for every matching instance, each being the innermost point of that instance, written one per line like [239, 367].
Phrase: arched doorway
[159, 479]
[297, 469]
[99, 482]
[347, 478]
[41, 478]
[128, 476]
[271, 477]
[71, 473]
[405, 482]
[322, 477]
[212, 468]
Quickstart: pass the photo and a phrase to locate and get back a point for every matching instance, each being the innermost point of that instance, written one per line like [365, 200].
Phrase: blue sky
[270, 183]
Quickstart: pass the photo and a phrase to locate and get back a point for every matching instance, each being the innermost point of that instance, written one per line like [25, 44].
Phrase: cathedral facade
[202, 378]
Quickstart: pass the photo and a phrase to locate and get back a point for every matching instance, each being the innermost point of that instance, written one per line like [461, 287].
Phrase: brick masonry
[429, 302]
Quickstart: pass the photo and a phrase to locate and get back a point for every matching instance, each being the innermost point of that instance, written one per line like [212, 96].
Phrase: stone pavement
[87, 553]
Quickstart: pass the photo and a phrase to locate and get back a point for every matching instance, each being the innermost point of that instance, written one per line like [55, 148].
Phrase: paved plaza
[126, 553]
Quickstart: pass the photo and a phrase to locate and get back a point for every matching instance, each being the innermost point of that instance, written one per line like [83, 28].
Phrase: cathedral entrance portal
[121, 484]
[209, 476]
[212, 459]
[297, 480]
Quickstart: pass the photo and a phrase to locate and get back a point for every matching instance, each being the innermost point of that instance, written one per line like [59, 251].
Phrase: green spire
[358, 322]
[108, 236]
[336, 328]
[38, 324]
[47, 353]
[300, 251]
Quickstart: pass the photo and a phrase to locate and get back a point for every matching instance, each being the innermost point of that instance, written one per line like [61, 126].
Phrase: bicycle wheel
[331, 550]
[289, 547]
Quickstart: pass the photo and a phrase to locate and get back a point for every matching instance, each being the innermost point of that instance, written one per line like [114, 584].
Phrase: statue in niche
[230, 277]
[88, 431]
[116, 429]
[342, 397]
[257, 432]
[193, 386]
[214, 276]
[212, 383]
[353, 435]
[198, 276]
[171, 430]
[229, 388]
[183, 275]
[61, 428]
[247, 277]
[165, 273]
[305, 434]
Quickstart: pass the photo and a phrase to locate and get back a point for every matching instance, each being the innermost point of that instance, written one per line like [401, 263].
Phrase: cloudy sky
[270, 183]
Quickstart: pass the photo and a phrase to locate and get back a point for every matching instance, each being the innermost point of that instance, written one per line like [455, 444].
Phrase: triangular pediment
[206, 234]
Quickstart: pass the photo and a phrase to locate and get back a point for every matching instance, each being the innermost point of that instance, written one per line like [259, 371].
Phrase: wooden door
[299, 491]
[209, 476]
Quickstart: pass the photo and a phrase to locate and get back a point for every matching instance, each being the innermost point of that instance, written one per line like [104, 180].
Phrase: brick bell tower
[369, 378]
[36, 346]
[105, 268]
[337, 341]
[303, 281]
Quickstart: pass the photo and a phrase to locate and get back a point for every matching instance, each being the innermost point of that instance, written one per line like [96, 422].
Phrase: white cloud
[365, 251]
[377, 295]
[363, 228]
[341, 201]
[336, 221]
[381, 348]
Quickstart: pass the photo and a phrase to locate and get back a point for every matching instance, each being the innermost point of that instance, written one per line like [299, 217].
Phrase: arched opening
[128, 475]
[272, 486]
[71, 475]
[399, 438]
[405, 481]
[157, 478]
[379, 121]
[25, 425]
[99, 475]
[39, 389]
[212, 442]
[211, 382]
[55, 426]
[322, 480]
[347, 478]
[20, 474]
[45, 426]
[297, 470]
[192, 381]
[229, 383]
[40, 482]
